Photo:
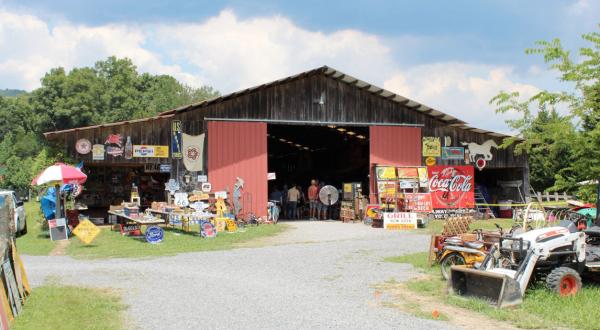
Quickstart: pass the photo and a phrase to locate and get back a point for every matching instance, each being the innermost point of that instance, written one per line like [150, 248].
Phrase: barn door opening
[239, 149]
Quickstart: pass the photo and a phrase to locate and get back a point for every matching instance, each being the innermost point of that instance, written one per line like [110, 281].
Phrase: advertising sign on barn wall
[452, 187]
[140, 151]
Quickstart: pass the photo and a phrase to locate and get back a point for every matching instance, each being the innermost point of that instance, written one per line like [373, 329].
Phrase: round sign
[206, 187]
[154, 234]
[83, 146]
[480, 163]
[430, 161]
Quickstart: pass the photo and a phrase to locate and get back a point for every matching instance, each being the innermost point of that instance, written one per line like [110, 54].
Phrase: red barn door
[394, 146]
[239, 149]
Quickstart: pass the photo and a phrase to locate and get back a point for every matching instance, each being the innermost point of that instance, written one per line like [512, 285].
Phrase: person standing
[293, 196]
[313, 193]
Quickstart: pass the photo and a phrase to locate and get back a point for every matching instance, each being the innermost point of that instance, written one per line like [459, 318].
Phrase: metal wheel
[450, 260]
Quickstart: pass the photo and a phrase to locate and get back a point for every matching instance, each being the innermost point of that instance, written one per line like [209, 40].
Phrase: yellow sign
[231, 226]
[430, 161]
[432, 146]
[140, 151]
[86, 231]
[347, 187]
[385, 173]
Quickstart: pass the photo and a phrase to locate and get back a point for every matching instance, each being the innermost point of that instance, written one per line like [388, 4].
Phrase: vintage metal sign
[408, 173]
[385, 173]
[207, 230]
[176, 139]
[83, 146]
[418, 202]
[452, 187]
[453, 153]
[432, 146]
[146, 151]
[154, 234]
[86, 231]
[400, 220]
[114, 145]
[98, 152]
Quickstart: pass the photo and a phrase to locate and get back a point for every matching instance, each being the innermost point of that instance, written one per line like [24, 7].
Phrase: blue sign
[453, 153]
[154, 234]
[165, 168]
[176, 139]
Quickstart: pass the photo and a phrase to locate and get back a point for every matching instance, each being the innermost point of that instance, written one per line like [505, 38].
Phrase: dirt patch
[60, 249]
[399, 296]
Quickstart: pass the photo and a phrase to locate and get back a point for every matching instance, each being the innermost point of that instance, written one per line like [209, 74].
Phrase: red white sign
[418, 202]
[400, 220]
[452, 187]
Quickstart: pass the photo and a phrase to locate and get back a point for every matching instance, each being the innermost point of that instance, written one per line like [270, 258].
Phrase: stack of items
[131, 210]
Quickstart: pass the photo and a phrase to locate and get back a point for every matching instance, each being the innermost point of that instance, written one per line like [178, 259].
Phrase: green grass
[541, 308]
[67, 307]
[36, 241]
[111, 244]
[436, 226]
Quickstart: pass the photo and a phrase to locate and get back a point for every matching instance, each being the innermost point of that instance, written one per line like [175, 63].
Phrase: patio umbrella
[57, 174]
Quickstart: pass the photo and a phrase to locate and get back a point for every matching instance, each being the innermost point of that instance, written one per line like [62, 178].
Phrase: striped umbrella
[60, 173]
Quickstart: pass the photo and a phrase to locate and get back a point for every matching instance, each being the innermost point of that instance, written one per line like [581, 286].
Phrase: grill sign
[452, 187]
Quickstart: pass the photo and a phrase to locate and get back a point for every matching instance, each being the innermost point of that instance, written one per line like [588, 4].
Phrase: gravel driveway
[316, 275]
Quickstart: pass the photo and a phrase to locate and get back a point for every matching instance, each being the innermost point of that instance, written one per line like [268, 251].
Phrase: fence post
[556, 196]
[539, 196]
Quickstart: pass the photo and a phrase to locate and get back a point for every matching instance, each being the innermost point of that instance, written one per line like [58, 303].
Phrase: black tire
[564, 281]
[450, 260]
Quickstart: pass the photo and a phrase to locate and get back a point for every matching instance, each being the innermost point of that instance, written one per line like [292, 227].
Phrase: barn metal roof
[328, 71]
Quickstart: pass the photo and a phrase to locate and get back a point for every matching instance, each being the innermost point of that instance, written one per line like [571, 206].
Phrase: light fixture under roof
[341, 129]
[283, 140]
[331, 126]
[298, 145]
[350, 133]
[305, 148]
[362, 137]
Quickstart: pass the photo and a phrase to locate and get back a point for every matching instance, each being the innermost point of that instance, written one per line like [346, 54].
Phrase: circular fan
[329, 195]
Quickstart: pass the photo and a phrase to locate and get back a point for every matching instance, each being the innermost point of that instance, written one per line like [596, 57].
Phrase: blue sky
[452, 55]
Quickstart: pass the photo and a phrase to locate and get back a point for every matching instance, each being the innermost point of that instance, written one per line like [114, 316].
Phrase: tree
[564, 149]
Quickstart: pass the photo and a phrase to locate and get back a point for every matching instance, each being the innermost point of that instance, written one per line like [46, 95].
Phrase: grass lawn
[36, 241]
[111, 244]
[436, 226]
[66, 307]
[541, 308]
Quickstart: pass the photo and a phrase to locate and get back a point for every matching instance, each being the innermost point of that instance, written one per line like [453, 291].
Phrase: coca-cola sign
[452, 187]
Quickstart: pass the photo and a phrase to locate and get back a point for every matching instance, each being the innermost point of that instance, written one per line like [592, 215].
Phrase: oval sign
[480, 163]
[154, 234]
[430, 161]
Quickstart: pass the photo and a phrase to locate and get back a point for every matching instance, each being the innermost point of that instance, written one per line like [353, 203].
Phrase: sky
[450, 55]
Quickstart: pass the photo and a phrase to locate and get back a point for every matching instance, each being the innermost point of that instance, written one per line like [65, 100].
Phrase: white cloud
[462, 90]
[231, 53]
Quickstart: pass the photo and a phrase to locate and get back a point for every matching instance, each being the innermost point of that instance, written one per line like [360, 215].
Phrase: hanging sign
[418, 202]
[409, 184]
[193, 152]
[165, 168]
[385, 173]
[86, 231]
[98, 152]
[114, 145]
[141, 151]
[452, 187]
[453, 153]
[176, 139]
[202, 178]
[206, 187]
[83, 146]
[480, 163]
[271, 176]
[154, 234]
[408, 173]
[430, 161]
[399, 220]
[432, 146]
[484, 149]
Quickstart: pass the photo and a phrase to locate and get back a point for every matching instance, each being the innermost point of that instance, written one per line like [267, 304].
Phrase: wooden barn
[321, 124]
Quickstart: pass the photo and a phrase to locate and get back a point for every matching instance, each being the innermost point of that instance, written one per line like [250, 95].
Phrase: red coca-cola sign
[452, 187]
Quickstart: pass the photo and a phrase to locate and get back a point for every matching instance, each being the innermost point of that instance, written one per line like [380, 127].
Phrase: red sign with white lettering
[452, 187]
[418, 202]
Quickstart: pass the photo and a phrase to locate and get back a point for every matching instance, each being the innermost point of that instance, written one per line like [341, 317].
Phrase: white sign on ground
[399, 220]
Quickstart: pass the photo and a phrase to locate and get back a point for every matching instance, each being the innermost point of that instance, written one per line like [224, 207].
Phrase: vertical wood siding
[239, 149]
